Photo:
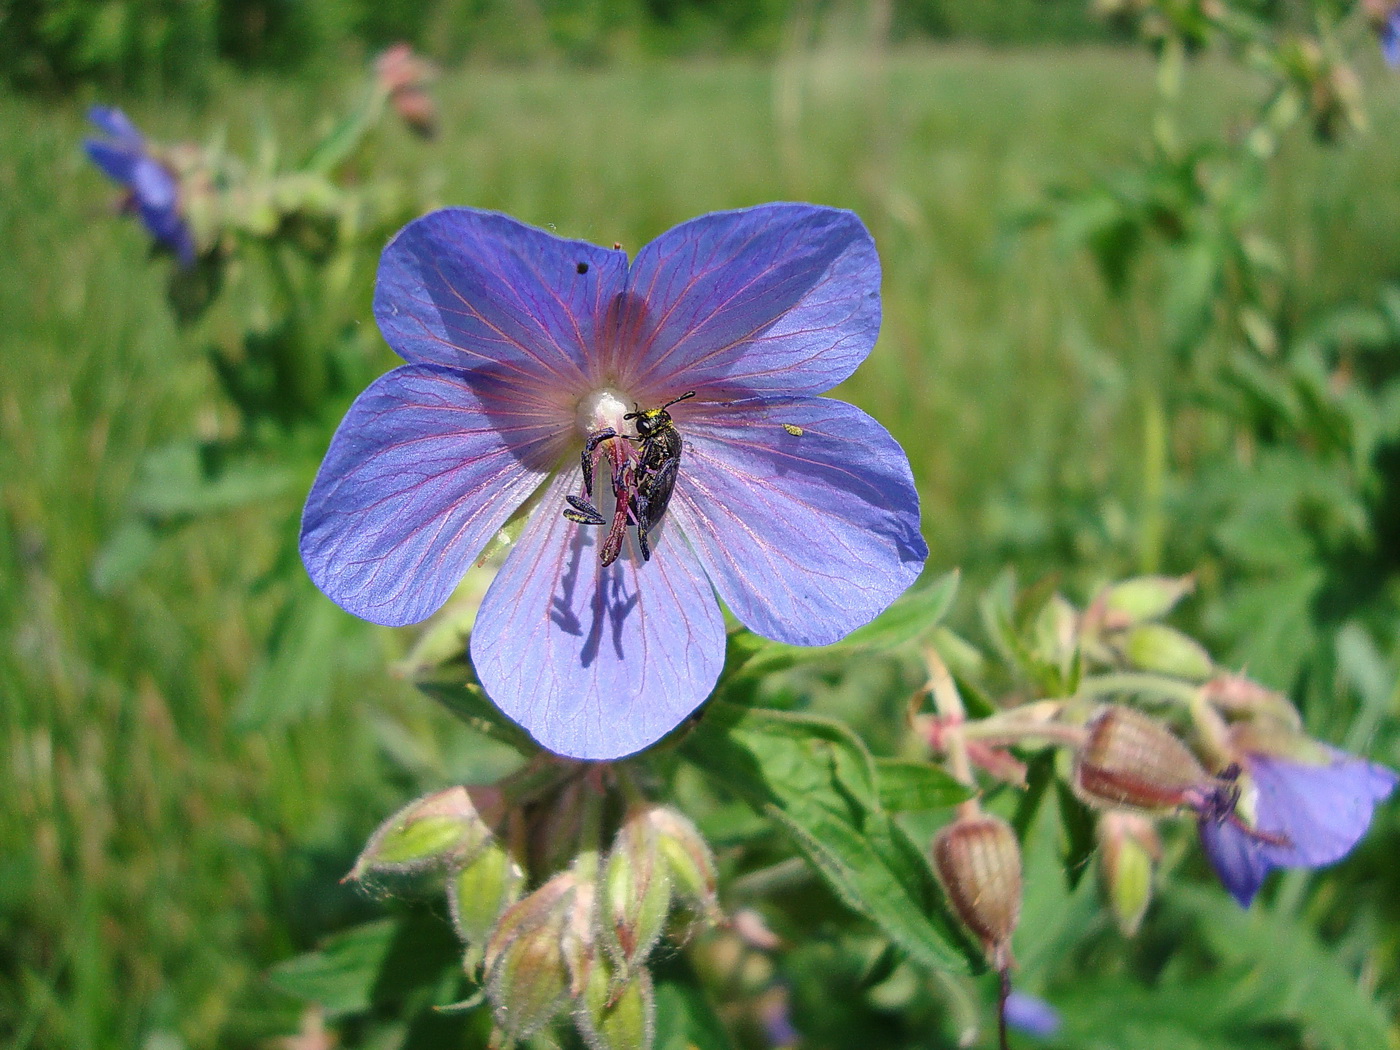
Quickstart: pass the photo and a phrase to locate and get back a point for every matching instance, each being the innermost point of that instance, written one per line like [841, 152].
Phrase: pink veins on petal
[800, 511]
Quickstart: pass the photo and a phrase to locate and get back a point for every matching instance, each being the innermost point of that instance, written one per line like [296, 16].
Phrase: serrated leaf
[907, 787]
[815, 779]
[342, 973]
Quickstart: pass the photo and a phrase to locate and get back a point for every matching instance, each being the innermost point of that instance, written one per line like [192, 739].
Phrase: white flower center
[601, 410]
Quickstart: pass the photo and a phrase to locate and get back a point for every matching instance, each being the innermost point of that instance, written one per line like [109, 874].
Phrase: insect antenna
[675, 400]
[638, 413]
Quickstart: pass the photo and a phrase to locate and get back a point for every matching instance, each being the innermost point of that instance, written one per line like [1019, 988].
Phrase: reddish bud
[1132, 760]
[636, 889]
[1235, 694]
[417, 110]
[527, 970]
[979, 864]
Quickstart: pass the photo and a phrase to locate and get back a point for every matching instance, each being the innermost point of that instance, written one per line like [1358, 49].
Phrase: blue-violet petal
[421, 474]
[596, 662]
[803, 512]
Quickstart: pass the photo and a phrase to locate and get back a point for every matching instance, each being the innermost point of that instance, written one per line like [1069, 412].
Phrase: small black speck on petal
[583, 267]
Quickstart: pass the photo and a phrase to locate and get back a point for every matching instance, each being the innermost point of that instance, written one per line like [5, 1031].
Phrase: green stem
[588, 858]
[1133, 682]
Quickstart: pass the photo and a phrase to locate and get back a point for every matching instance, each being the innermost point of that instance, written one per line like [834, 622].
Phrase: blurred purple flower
[153, 192]
[1390, 37]
[1305, 815]
[1031, 1015]
[799, 511]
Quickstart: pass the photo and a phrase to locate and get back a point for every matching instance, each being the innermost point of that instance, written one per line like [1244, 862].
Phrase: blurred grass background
[155, 858]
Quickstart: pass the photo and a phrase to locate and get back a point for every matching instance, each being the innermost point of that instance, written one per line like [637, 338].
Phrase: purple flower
[799, 511]
[1031, 1015]
[1390, 37]
[152, 189]
[1305, 815]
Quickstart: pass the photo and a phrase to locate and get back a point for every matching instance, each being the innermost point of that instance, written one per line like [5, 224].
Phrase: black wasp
[651, 482]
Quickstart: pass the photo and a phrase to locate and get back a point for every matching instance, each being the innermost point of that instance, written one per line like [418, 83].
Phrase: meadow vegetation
[160, 846]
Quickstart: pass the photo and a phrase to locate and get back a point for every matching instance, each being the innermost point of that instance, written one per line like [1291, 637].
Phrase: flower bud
[1132, 760]
[1141, 599]
[688, 860]
[482, 889]
[1055, 635]
[612, 1016]
[580, 940]
[979, 864]
[417, 110]
[636, 890]
[1160, 649]
[527, 976]
[1128, 848]
[447, 827]
[1235, 694]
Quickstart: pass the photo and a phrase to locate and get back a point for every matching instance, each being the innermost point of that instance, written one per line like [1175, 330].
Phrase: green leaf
[1361, 664]
[1314, 988]
[1210, 1014]
[379, 962]
[1080, 841]
[815, 779]
[341, 974]
[345, 137]
[1193, 275]
[296, 673]
[1055, 910]
[914, 614]
[468, 702]
[907, 787]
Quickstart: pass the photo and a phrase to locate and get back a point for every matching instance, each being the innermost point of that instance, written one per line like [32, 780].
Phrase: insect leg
[642, 506]
[594, 440]
[583, 512]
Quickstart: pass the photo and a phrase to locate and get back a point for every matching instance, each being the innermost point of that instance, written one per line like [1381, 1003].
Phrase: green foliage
[162, 855]
[119, 43]
[817, 781]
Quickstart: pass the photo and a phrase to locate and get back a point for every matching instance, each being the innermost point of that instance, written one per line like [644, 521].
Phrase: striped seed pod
[1132, 760]
[979, 864]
